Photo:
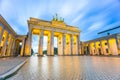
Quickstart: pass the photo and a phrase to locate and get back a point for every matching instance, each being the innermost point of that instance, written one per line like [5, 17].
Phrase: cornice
[53, 24]
[4, 22]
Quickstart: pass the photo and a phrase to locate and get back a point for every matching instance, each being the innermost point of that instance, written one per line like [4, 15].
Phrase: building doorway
[35, 42]
[55, 45]
[45, 43]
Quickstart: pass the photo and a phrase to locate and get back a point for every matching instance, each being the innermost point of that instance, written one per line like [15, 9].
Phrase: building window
[107, 50]
[3, 39]
[99, 44]
[105, 43]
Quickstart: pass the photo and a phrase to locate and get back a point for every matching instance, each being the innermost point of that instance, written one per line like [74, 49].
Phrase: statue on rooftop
[56, 18]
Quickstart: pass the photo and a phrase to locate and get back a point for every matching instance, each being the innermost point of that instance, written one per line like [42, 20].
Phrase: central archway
[55, 45]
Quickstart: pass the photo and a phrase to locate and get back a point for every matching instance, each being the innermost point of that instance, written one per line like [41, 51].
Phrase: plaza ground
[69, 68]
[10, 65]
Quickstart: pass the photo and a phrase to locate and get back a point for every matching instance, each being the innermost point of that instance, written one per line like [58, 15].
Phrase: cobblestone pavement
[7, 64]
[70, 68]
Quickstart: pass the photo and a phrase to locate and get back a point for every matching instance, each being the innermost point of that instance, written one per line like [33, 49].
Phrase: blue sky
[90, 16]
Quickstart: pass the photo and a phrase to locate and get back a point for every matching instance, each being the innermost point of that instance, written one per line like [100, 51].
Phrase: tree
[32, 52]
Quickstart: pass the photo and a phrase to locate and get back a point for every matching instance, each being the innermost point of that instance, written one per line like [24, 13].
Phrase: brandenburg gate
[68, 36]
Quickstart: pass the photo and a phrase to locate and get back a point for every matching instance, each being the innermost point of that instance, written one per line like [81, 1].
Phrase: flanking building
[106, 45]
[9, 40]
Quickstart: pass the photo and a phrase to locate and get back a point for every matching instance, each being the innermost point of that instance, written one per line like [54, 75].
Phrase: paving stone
[70, 68]
[7, 64]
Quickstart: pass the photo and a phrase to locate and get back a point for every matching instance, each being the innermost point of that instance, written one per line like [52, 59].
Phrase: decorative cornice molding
[4, 22]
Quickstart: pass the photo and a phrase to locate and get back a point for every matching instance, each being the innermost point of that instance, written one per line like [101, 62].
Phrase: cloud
[89, 15]
[96, 26]
[70, 8]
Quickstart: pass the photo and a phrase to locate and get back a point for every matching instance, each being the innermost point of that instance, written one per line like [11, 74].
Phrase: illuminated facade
[107, 45]
[68, 38]
[9, 40]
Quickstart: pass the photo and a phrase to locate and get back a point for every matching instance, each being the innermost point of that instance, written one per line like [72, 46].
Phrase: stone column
[75, 48]
[72, 44]
[95, 50]
[64, 44]
[9, 46]
[118, 45]
[10, 53]
[5, 44]
[78, 44]
[1, 34]
[13, 47]
[117, 42]
[102, 52]
[90, 48]
[109, 50]
[50, 50]
[22, 48]
[78, 53]
[69, 45]
[60, 44]
[52, 43]
[40, 46]
[28, 43]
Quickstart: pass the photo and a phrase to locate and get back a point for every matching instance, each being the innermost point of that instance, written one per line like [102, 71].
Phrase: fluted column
[28, 43]
[50, 50]
[78, 38]
[117, 42]
[5, 44]
[109, 50]
[75, 48]
[69, 44]
[95, 50]
[13, 47]
[1, 34]
[9, 46]
[52, 43]
[101, 48]
[78, 44]
[60, 44]
[64, 44]
[22, 48]
[90, 49]
[72, 44]
[40, 46]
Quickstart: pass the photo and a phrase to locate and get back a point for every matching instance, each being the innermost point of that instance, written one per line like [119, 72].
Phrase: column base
[40, 55]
